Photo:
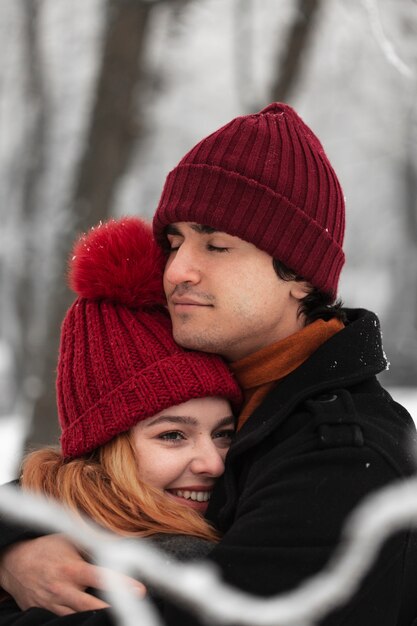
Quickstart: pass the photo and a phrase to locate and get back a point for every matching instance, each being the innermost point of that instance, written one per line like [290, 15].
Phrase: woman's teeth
[198, 496]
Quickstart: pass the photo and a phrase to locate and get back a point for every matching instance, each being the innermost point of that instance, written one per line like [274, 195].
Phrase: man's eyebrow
[202, 229]
[171, 229]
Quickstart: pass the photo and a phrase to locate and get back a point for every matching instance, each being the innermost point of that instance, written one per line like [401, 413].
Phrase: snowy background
[99, 99]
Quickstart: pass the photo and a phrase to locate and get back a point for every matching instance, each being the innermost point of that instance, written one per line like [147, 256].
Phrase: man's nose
[182, 267]
[207, 460]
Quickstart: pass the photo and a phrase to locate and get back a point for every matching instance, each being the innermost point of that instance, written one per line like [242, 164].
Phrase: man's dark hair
[316, 304]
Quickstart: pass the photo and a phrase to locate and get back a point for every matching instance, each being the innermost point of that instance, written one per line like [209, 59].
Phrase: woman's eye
[225, 435]
[212, 248]
[171, 436]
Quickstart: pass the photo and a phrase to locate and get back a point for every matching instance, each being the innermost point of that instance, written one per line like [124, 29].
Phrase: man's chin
[193, 341]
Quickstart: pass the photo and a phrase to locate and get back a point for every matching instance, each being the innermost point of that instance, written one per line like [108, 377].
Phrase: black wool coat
[323, 439]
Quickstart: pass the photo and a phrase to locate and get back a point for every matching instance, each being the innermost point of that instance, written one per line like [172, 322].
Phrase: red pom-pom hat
[118, 363]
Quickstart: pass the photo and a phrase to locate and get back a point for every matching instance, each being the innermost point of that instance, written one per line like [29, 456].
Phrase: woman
[146, 425]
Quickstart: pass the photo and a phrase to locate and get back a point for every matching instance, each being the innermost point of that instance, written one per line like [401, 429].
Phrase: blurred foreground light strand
[197, 586]
[384, 43]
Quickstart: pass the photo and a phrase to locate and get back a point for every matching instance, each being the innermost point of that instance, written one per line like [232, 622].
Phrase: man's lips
[188, 302]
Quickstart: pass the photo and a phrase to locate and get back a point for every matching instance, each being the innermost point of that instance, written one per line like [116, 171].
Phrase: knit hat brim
[209, 194]
[166, 382]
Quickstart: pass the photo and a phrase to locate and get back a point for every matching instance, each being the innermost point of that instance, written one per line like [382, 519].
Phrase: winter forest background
[100, 98]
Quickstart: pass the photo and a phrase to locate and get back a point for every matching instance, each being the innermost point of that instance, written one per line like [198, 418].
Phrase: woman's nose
[208, 459]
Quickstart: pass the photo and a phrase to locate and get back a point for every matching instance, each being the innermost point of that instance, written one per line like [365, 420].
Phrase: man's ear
[300, 289]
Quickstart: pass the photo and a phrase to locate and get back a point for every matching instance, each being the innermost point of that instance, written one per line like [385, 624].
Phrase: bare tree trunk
[401, 321]
[288, 65]
[33, 168]
[114, 124]
[112, 134]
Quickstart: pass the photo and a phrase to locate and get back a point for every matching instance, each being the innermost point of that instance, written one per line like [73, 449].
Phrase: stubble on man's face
[224, 295]
[191, 324]
[233, 324]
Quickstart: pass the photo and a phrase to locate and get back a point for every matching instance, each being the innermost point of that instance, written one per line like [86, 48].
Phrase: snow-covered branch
[198, 586]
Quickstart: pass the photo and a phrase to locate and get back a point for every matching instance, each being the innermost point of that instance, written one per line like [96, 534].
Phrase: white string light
[198, 587]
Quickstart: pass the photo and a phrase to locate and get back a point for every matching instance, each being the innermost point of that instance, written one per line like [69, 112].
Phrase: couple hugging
[214, 395]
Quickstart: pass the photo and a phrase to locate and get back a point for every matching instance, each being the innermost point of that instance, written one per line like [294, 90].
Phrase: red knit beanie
[266, 179]
[118, 363]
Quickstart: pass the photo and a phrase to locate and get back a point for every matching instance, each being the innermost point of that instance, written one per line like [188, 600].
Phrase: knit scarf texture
[259, 372]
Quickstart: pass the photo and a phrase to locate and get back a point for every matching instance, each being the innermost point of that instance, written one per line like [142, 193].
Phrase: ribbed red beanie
[118, 363]
[266, 179]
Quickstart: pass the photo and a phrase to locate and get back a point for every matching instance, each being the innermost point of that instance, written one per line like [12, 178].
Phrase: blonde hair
[106, 487]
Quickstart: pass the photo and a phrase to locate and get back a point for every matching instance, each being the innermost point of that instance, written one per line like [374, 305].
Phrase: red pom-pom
[120, 261]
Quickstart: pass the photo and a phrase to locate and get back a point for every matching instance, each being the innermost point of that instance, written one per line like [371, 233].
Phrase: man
[253, 220]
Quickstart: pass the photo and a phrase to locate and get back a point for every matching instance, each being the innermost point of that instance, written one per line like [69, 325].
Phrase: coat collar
[350, 356]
